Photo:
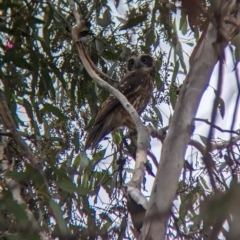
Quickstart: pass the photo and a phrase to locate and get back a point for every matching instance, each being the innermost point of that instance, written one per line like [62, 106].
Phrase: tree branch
[160, 134]
[215, 126]
[180, 131]
[10, 125]
[143, 133]
[14, 187]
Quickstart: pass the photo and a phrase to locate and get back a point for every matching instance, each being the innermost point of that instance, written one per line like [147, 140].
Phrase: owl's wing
[132, 83]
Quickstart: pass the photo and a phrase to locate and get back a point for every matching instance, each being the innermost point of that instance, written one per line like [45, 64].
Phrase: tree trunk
[178, 137]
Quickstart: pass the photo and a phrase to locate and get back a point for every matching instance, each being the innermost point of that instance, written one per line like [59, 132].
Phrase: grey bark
[178, 137]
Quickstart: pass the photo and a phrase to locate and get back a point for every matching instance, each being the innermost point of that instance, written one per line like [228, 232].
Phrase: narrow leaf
[18, 211]
[54, 110]
[76, 138]
[150, 37]
[112, 68]
[159, 115]
[183, 24]
[106, 20]
[69, 187]
[100, 46]
[84, 161]
[83, 191]
[48, 83]
[66, 185]
[221, 107]
[204, 140]
[122, 20]
[58, 214]
[132, 22]
[203, 182]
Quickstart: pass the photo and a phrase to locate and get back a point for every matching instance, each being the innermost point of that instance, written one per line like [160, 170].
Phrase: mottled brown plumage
[137, 86]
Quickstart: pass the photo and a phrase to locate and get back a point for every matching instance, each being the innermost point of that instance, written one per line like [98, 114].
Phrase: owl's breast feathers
[143, 94]
[137, 87]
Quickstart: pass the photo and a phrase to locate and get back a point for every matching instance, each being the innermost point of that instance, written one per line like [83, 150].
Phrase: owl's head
[141, 62]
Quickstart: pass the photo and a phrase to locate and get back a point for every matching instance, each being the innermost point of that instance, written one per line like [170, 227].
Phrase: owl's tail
[98, 132]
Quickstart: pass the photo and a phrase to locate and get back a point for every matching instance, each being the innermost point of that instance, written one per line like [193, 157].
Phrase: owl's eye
[131, 62]
[143, 59]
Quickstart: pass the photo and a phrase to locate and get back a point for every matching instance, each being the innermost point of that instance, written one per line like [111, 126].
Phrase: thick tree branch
[180, 131]
[143, 133]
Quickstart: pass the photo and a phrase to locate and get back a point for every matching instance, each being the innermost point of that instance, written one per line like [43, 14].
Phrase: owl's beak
[138, 65]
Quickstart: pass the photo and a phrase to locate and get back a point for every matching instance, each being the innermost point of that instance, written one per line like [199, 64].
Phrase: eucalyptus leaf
[158, 113]
[236, 42]
[112, 68]
[84, 161]
[100, 46]
[76, 138]
[54, 110]
[204, 140]
[17, 176]
[66, 185]
[221, 107]
[18, 210]
[134, 21]
[106, 20]
[48, 83]
[173, 98]
[183, 24]
[122, 20]
[203, 182]
[22, 63]
[58, 214]
[36, 20]
[150, 37]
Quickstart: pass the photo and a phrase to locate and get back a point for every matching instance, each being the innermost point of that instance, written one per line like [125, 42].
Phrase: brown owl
[137, 86]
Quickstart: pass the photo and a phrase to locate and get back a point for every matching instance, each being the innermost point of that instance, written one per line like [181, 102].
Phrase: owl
[137, 86]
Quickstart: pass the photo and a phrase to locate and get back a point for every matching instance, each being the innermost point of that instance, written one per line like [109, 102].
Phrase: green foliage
[54, 103]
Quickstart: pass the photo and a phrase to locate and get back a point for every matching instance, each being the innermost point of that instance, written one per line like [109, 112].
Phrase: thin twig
[215, 126]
